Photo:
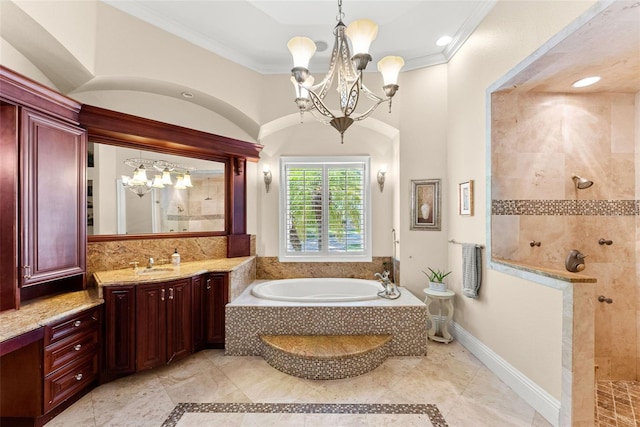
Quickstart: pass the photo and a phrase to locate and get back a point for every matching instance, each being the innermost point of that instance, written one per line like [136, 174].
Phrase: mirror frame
[115, 128]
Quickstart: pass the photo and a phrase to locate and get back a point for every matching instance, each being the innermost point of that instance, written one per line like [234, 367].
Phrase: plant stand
[439, 323]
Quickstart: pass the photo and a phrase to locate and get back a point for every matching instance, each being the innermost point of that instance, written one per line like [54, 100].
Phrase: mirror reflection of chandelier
[310, 97]
[140, 184]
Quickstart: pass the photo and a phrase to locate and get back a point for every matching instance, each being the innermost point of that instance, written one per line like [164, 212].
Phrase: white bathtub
[318, 290]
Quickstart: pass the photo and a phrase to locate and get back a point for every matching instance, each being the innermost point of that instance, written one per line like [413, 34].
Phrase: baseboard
[533, 394]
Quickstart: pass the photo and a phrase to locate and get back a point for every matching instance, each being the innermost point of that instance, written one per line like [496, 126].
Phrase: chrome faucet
[390, 291]
[150, 263]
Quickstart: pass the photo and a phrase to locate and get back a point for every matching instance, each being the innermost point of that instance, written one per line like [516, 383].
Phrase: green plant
[436, 275]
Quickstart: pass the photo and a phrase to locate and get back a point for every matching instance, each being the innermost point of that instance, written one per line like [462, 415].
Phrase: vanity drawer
[75, 347]
[80, 322]
[66, 382]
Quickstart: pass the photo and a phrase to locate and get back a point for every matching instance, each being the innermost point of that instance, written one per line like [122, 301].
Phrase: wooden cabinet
[119, 332]
[41, 379]
[216, 297]
[70, 357]
[52, 199]
[42, 188]
[163, 323]
[210, 295]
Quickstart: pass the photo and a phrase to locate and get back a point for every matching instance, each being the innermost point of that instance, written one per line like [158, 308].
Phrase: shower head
[581, 183]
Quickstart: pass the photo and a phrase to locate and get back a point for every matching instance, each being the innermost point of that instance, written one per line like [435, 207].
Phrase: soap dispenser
[175, 258]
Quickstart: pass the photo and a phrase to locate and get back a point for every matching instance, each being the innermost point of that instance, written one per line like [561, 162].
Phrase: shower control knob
[602, 298]
[605, 242]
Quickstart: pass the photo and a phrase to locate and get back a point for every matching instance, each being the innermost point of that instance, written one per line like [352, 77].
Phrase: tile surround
[617, 403]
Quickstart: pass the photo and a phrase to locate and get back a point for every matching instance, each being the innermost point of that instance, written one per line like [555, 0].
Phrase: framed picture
[425, 204]
[465, 198]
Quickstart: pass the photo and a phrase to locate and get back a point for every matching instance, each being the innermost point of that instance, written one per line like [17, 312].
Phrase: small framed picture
[425, 204]
[465, 198]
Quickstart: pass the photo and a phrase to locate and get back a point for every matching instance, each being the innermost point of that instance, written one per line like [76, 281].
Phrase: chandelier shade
[347, 70]
[140, 185]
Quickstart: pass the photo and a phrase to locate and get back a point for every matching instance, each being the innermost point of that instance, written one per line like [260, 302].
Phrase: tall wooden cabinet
[42, 188]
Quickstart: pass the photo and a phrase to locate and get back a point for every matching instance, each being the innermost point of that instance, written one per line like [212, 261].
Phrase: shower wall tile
[596, 136]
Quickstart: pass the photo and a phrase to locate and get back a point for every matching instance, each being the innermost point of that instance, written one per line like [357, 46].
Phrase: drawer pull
[77, 347]
[208, 284]
[162, 295]
[170, 293]
[76, 323]
[27, 272]
[78, 377]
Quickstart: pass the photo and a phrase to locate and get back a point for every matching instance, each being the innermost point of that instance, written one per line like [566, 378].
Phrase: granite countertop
[162, 273]
[40, 312]
[565, 276]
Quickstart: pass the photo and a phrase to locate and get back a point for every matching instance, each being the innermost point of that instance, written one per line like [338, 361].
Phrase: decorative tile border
[566, 207]
[430, 410]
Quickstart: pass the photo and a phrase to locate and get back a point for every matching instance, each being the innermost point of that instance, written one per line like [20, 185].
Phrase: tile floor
[617, 403]
[465, 392]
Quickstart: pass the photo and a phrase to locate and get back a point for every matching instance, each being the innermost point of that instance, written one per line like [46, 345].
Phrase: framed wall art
[465, 198]
[425, 204]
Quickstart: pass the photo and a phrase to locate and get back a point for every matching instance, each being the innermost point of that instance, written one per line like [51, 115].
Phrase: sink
[154, 270]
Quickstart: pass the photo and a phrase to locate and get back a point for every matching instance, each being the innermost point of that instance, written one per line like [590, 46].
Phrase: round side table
[439, 330]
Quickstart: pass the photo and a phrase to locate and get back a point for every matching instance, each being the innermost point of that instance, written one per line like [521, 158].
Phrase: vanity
[154, 316]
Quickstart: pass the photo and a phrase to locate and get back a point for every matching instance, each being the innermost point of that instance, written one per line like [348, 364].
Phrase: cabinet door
[178, 319]
[217, 295]
[53, 202]
[151, 323]
[198, 284]
[119, 331]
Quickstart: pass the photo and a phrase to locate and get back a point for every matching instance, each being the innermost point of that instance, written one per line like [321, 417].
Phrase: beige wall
[517, 319]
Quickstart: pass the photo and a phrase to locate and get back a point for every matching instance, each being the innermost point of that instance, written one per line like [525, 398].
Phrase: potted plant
[436, 279]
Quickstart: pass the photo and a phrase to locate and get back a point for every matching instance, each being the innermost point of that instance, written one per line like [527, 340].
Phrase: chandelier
[310, 97]
[140, 184]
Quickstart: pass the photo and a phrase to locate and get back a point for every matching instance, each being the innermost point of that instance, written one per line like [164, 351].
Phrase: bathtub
[318, 290]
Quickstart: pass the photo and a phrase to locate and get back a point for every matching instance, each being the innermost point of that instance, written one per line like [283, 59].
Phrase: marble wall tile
[270, 268]
[596, 136]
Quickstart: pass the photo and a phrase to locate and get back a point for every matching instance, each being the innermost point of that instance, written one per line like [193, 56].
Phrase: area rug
[430, 410]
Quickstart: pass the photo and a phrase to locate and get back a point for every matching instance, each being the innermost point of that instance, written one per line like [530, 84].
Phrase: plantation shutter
[325, 209]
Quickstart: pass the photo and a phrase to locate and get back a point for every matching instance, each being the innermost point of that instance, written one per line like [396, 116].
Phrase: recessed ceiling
[255, 33]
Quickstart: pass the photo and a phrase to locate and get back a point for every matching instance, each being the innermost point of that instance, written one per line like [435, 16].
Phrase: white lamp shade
[390, 67]
[186, 179]
[166, 177]
[302, 49]
[139, 175]
[362, 33]
[302, 91]
[157, 182]
[180, 183]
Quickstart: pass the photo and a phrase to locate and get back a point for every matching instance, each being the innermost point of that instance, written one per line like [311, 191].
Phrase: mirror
[179, 194]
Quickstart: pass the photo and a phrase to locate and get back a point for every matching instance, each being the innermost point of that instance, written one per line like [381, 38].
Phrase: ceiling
[255, 33]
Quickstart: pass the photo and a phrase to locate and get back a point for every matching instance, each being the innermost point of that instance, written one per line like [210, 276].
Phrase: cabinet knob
[77, 347]
[208, 284]
[78, 377]
[76, 323]
[27, 272]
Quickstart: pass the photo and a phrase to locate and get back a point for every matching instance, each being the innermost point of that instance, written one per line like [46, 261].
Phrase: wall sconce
[381, 177]
[267, 177]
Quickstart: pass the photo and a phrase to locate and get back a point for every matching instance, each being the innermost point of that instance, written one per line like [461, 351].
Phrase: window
[325, 209]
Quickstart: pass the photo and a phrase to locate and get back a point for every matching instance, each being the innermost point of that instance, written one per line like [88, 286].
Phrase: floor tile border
[430, 410]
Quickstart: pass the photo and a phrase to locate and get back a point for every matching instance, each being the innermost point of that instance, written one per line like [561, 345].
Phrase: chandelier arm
[372, 96]
[352, 100]
[370, 110]
[322, 109]
[319, 117]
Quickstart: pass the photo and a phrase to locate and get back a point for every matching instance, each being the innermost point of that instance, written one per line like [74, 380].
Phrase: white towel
[471, 269]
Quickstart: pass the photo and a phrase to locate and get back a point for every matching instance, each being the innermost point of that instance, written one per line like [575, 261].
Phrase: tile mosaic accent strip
[566, 207]
[617, 403]
[430, 410]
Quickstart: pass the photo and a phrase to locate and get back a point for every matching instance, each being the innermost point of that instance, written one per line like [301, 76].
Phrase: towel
[471, 269]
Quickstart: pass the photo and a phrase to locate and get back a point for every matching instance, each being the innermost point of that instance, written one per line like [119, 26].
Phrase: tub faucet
[150, 263]
[390, 291]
